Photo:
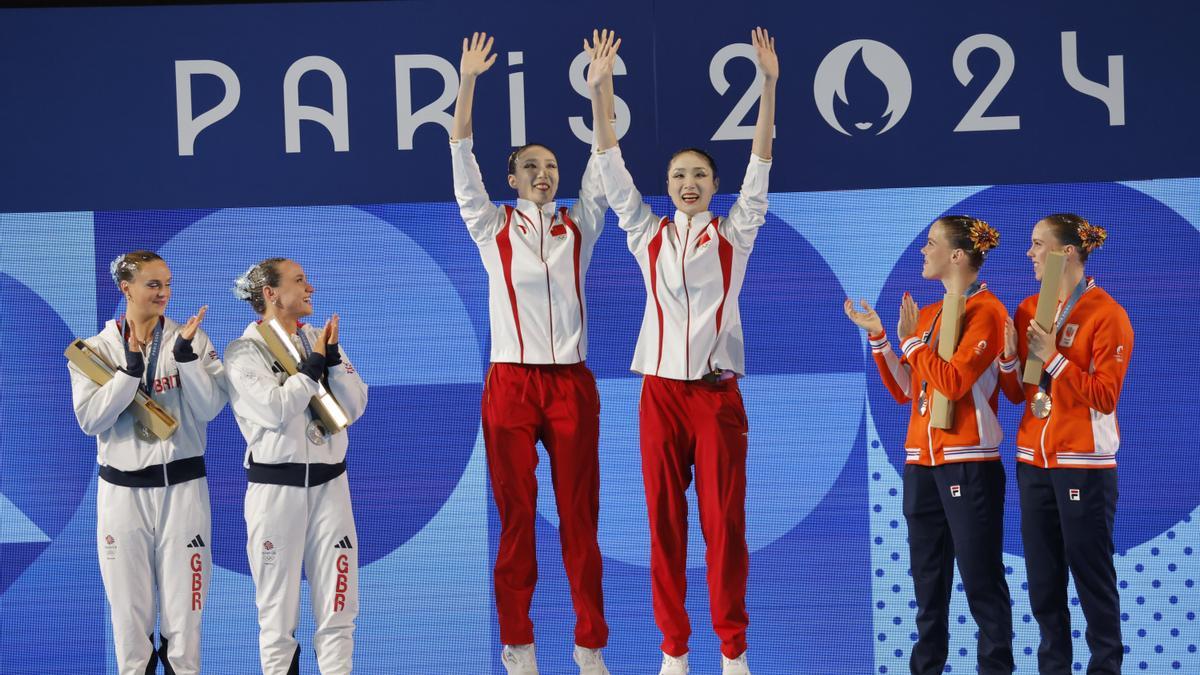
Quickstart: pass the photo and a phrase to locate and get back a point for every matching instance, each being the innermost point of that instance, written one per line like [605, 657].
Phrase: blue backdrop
[97, 162]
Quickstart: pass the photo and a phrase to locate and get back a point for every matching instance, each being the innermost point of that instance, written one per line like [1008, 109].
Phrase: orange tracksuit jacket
[969, 379]
[1094, 348]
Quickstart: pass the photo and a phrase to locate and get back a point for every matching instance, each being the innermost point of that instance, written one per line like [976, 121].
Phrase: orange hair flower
[1091, 236]
[984, 236]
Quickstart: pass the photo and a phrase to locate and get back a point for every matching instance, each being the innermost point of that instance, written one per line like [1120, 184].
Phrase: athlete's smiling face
[150, 289]
[691, 183]
[535, 176]
[293, 296]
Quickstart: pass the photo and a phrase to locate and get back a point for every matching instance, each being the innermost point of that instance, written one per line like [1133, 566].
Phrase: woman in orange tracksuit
[1067, 447]
[953, 478]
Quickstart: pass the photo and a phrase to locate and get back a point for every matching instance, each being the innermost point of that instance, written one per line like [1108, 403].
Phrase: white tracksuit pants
[288, 527]
[155, 543]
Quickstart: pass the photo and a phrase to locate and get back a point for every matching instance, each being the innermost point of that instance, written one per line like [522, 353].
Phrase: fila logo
[198, 542]
[1073, 494]
[955, 491]
[344, 543]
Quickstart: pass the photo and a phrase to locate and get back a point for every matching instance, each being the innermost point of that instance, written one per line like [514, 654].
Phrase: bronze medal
[1040, 405]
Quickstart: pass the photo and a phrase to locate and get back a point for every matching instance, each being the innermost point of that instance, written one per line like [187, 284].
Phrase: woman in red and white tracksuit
[1067, 447]
[153, 517]
[953, 478]
[538, 387]
[690, 352]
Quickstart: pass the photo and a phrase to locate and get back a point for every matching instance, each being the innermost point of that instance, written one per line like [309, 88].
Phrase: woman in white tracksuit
[298, 513]
[153, 519]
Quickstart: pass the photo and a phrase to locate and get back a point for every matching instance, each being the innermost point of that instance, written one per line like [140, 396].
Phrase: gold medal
[143, 432]
[315, 432]
[1040, 405]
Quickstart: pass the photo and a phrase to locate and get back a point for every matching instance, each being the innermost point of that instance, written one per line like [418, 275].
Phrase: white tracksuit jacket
[693, 269]
[536, 262]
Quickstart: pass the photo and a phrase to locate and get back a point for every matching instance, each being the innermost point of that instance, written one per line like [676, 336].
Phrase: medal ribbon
[308, 350]
[1059, 322]
[152, 365]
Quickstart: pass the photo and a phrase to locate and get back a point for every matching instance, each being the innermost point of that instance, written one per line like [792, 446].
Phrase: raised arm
[588, 212]
[475, 62]
[633, 213]
[603, 51]
[483, 218]
[768, 63]
[750, 211]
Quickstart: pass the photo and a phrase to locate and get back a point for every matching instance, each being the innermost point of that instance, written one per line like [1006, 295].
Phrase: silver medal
[143, 432]
[315, 432]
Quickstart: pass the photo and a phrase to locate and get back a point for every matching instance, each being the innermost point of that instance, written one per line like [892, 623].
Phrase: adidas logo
[196, 543]
[344, 543]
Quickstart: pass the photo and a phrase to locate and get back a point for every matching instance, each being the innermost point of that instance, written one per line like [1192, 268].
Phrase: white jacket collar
[699, 220]
[531, 210]
[111, 326]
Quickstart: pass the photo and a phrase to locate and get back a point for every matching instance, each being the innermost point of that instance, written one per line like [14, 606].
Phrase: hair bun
[114, 268]
[1091, 237]
[984, 236]
[243, 286]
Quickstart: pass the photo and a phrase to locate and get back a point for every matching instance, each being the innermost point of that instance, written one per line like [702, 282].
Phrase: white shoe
[734, 666]
[519, 659]
[590, 661]
[674, 665]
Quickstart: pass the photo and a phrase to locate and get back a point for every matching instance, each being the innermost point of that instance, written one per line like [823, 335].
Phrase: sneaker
[674, 665]
[519, 659]
[734, 666]
[590, 661]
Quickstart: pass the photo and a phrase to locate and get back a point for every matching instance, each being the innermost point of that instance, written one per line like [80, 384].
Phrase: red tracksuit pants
[558, 405]
[686, 424]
